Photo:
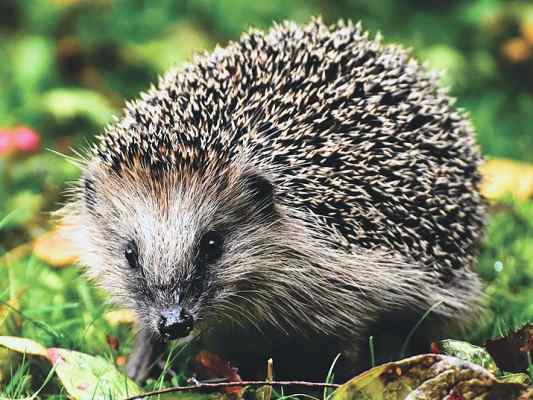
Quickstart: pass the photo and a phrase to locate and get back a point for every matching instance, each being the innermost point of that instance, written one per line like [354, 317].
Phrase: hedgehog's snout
[175, 323]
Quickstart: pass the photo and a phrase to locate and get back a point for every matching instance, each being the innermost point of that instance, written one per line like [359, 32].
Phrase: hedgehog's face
[175, 249]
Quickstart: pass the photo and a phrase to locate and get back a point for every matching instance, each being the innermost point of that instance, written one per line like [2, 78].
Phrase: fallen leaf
[23, 345]
[210, 366]
[54, 249]
[515, 378]
[511, 351]
[429, 377]
[112, 341]
[468, 352]
[83, 376]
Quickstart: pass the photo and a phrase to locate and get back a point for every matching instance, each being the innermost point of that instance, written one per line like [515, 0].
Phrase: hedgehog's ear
[259, 188]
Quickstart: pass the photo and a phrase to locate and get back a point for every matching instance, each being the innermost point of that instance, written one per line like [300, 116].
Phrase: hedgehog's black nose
[175, 323]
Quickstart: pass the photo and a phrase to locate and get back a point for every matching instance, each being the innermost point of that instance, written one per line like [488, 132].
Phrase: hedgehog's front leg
[146, 352]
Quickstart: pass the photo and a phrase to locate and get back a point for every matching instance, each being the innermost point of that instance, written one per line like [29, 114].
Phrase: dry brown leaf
[210, 366]
[511, 351]
[502, 177]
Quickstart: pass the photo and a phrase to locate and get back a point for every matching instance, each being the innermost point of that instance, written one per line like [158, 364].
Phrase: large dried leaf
[429, 377]
[511, 351]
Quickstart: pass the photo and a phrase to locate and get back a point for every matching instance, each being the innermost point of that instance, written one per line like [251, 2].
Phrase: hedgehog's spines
[353, 130]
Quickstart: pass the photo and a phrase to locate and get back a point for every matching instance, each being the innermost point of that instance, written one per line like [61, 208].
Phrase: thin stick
[220, 385]
[269, 378]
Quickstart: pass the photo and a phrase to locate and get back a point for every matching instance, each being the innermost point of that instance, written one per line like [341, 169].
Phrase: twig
[269, 378]
[220, 385]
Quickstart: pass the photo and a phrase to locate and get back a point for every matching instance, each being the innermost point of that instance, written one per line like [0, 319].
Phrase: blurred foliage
[67, 66]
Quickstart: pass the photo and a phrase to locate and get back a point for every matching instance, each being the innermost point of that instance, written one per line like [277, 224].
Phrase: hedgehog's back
[352, 130]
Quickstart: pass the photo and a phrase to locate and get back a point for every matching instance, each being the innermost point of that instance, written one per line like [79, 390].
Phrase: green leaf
[468, 352]
[89, 377]
[516, 378]
[23, 345]
[82, 375]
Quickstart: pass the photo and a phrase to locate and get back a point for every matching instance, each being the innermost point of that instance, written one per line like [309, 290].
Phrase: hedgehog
[288, 195]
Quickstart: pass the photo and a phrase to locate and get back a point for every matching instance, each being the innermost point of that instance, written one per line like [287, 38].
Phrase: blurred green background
[67, 66]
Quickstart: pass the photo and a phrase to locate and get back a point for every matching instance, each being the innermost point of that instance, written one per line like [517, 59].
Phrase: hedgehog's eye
[132, 255]
[211, 247]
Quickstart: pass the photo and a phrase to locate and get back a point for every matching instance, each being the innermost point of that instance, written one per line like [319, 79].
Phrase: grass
[59, 308]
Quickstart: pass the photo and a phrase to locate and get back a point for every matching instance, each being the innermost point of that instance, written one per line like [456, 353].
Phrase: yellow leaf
[23, 345]
[54, 248]
[502, 177]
